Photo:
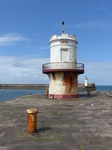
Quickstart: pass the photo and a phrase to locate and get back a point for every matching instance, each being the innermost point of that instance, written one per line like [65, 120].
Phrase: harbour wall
[24, 86]
[81, 86]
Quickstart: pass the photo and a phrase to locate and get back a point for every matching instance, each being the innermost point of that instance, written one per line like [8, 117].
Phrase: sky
[26, 28]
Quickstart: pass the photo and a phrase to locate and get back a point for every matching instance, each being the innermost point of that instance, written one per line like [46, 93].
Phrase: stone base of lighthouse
[63, 85]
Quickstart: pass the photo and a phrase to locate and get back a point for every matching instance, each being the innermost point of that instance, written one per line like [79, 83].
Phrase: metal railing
[63, 66]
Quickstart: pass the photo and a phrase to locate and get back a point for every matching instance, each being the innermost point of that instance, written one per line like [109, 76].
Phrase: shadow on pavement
[43, 129]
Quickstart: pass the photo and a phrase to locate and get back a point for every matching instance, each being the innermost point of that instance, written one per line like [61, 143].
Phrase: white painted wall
[62, 49]
[60, 43]
[57, 86]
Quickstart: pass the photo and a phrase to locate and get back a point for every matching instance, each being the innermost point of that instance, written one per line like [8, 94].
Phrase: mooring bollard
[30, 93]
[88, 93]
[31, 120]
[47, 93]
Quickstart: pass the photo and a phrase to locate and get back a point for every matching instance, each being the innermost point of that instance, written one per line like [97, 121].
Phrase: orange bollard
[88, 92]
[47, 93]
[31, 120]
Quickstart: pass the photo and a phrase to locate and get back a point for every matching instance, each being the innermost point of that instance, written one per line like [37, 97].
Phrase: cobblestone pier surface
[84, 123]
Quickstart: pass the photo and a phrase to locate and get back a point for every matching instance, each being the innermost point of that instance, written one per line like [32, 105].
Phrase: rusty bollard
[31, 120]
[88, 93]
[30, 93]
[47, 93]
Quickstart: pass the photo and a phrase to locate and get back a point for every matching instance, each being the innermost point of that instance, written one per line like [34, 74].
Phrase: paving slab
[84, 123]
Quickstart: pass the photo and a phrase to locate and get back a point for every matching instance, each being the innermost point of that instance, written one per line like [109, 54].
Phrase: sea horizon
[8, 94]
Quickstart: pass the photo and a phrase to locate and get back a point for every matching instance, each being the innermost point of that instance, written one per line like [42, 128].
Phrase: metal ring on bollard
[31, 120]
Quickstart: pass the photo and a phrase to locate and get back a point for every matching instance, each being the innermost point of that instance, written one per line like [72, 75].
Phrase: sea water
[8, 94]
[104, 88]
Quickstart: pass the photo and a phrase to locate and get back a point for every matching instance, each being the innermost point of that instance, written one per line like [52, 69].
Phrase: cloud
[96, 24]
[44, 47]
[99, 68]
[39, 47]
[29, 70]
[22, 70]
[98, 72]
[31, 46]
[10, 39]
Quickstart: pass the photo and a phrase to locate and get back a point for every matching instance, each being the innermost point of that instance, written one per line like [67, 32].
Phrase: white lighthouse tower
[63, 69]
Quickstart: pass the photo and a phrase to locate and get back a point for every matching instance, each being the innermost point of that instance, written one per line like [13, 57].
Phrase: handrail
[63, 66]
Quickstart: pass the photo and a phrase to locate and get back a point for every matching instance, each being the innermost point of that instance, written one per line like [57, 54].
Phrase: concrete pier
[83, 123]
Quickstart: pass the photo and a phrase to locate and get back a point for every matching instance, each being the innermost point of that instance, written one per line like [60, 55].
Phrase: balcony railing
[63, 67]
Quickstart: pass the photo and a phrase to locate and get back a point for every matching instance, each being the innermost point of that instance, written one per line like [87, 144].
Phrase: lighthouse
[63, 69]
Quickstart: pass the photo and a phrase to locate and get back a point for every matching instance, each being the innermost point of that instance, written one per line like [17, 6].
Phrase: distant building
[63, 69]
[86, 81]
